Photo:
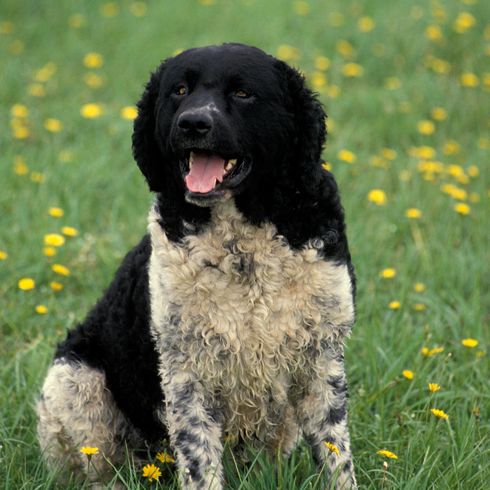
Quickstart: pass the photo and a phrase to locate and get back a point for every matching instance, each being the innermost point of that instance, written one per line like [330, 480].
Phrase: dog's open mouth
[208, 173]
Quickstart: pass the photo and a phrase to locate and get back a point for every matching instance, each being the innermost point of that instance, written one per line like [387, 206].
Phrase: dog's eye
[242, 94]
[181, 90]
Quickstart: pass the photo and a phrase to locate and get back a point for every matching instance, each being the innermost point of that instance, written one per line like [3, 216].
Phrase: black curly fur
[287, 187]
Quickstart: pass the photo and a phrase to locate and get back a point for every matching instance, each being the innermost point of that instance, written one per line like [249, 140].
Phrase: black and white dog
[229, 318]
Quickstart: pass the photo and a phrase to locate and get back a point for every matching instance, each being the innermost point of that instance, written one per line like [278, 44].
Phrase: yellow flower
[302, 8]
[46, 72]
[36, 90]
[138, 9]
[164, 457]
[332, 447]
[69, 231]
[26, 283]
[388, 153]
[388, 273]
[439, 413]
[60, 269]
[286, 52]
[469, 79]
[438, 114]
[49, 251]
[347, 156]
[408, 374]
[423, 152]
[377, 196]
[426, 127]
[54, 239]
[38, 177]
[335, 19]
[469, 342]
[433, 33]
[473, 171]
[387, 454]
[206, 3]
[76, 21]
[442, 67]
[433, 387]
[3, 255]
[109, 9]
[419, 307]
[451, 147]
[413, 213]
[56, 286]
[89, 450]
[345, 48]
[152, 472]
[53, 125]
[19, 110]
[419, 287]
[91, 111]
[41, 309]
[462, 208]
[93, 80]
[392, 83]
[463, 22]
[55, 212]
[129, 112]
[352, 70]
[318, 80]
[431, 352]
[322, 63]
[365, 24]
[394, 305]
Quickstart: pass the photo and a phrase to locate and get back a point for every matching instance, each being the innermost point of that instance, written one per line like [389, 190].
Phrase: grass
[86, 169]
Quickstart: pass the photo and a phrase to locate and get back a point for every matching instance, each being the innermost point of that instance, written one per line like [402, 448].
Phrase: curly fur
[229, 318]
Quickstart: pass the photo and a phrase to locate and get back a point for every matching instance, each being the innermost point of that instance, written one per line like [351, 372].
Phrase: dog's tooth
[191, 159]
[228, 166]
[232, 161]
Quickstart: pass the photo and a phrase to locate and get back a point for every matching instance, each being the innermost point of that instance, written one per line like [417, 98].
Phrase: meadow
[406, 85]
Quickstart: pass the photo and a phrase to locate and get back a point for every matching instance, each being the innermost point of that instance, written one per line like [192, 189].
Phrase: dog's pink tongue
[205, 171]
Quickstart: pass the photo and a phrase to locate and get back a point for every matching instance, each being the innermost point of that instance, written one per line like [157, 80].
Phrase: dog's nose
[196, 123]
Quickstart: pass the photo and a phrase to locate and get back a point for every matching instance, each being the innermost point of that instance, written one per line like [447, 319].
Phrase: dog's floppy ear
[309, 118]
[146, 151]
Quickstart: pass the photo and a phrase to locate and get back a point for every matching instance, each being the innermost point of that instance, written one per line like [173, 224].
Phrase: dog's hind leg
[77, 410]
[322, 414]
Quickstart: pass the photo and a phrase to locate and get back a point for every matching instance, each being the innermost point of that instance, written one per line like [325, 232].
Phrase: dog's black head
[216, 121]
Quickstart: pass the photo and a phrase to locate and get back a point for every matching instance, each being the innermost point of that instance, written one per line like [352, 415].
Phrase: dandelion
[433, 33]
[406, 373]
[286, 52]
[36, 90]
[439, 413]
[91, 111]
[365, 24]
[419, 307]
[60, 269]
[433, 387]
[151, 472]
[345, 48]
[3, 255]
[426, 127]
[76, 21]
[89, 450]
[347, 156]
[93, 80]
[336, 19]
[69, 231]
[38, 177]
[388, 153]
[469, 79]
[41, 309]
[138, 9]
[206, 3]
[463, 22]
[451, 147]
[431, 352]
[462, 208]
[318, 80]
[322, 63]
[469, 343]
[56, 286]
[164, 457]
[302, 8]
[332, 447]
[49, 251]
[392, 83]
[352, 70]
[26, 284]
[387, 454]
[377, 196]
[438, 114]
[109, 9]
[19, 111]
[129, 113]
[419, 287]
[53, 125]
[413, 213]
[54, 239]
[473, 171]
[55, 212]
[46, 72]
[388, 273]
[394, 305]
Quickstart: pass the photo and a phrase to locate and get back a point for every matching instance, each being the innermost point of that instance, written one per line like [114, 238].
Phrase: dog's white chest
[245, 310]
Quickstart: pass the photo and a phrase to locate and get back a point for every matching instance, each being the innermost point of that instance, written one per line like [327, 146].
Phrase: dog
[228, 319]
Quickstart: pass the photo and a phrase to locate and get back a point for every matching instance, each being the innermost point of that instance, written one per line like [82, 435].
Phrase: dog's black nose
[196, 123]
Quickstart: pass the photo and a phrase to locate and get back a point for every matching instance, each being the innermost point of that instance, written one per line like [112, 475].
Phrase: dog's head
[214, 120]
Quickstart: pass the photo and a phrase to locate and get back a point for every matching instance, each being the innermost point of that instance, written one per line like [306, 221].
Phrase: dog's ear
[309, 117]
[146, 150]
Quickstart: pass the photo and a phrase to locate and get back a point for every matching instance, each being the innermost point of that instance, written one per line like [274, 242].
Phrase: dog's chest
[242, 310]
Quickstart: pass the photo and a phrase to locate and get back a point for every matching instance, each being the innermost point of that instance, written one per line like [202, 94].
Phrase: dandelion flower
[91, 111]
[388, 273]
[109, 9]
[387, 454]
[345, 48]
[302, 8]
[19, 111]
[55, 212]
[93, 80]
[377, 196]
[318, 80]
[36, 90]
[53, 125]
[419, 307]
[60, 269]
[394, 305]
[413, 213]
[151, 472]
[439, 413]
[138, 9]
[433, 387]
[469, 342]
[41, 309]
[3, 255]
[347, 156]
[54, 239]
[426, 127]
[406, 373]
[332, 447]
[164, 457]
[462, 208]
[49, 251]
[469, 79]
[365, 24]
[56, 286]
[76, 21]
[69, 231]
[38, 177]
[392, 83]
[433, 33]
[322, 63]
[419, 287]
[89, 450]
[463, 22]
[26, 284]
[286, 52]
[352, 70]
[438, 114]
[129, 113]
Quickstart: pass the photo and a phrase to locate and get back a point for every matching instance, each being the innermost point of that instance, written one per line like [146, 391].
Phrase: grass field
[406, 85]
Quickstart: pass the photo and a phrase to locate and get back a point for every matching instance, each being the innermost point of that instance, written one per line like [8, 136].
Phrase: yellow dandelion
[138, 9]
[69, 231]
[41, 309]
[318, 80]
[433, 387]
[419, 307]
[469, 79]
[347, 156]
[394, 305]
[463, 22]
[129, 112]
[413, 213]
[206, 3]
[46, 72]
[392, 83]
[91, 111]
[287, 52]
[387, 454]
[433, 33]
[93, 80]
[54, 239]
[3, 255]
[365, 24]
[462, 208]
[49, 251]
[423, 152]
[388, 273]
[109, 9]
[469, 342]
[55, 212]
[56, 286]
[431, 352]
[6, 27]
[332, 91]
[442, 67]
[426, 127]
[451, 147]
[473, 171]
[419, 287]
[164, 457]
[322, 63]
[388, 153]
[21, 132]
[332, 447]
[19, 111]
[60, 269]
[89, 450]
[38, 177]
[26, 284]
[53, 125]
[151, 472]
[36, 90]
[76, 21]
[438, 114]
[439, 413]
[336, 19]
[377, 196]
[406, 373]
[352, 70]
[345, 48]
[301, 8]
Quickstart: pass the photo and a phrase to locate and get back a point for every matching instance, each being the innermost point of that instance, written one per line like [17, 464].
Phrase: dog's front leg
[194, 430]
[322, 414]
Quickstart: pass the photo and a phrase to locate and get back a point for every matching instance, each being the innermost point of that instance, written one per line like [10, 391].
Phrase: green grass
[87, 170]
